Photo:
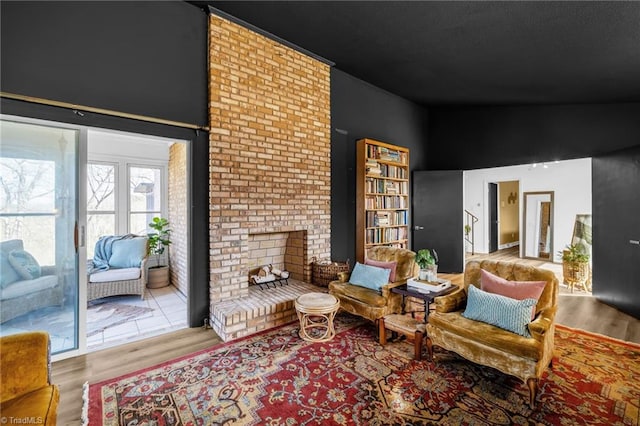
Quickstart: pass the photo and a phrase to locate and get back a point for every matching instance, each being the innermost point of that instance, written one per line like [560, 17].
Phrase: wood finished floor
[578, 310]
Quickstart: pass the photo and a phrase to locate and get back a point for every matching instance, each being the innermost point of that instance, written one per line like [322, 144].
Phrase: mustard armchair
[26, 390]
[524, 357]
[371, 304]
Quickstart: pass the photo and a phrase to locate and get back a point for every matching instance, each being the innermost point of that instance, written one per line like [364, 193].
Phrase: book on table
[423, 286]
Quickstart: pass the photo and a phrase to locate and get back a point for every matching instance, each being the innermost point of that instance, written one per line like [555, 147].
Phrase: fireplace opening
[281, 251]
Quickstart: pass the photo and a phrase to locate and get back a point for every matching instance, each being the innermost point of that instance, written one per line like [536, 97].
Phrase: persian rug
[275, 378]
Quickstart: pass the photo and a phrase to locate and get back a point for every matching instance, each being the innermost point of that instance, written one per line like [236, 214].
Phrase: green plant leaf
[160, 239]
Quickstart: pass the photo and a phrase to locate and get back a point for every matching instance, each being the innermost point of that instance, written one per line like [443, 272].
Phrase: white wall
[113, 144]
[570, 180]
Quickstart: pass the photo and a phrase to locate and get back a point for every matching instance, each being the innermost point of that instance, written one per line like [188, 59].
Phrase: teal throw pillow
[501, 311]
[128, 252]
[25, 264]
[8, 275]
[369, 276]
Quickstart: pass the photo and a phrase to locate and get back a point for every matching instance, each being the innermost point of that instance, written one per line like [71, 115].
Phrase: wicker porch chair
[97, 290]
[116, 280]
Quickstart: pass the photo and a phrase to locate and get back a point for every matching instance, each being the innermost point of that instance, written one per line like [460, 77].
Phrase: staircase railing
[469, 226]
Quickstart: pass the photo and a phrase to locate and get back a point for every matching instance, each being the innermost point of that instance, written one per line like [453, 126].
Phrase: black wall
[360, 110]
[147, 58]
[468, 138]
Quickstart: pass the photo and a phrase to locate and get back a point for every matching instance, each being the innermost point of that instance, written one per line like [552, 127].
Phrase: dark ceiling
[468, 53]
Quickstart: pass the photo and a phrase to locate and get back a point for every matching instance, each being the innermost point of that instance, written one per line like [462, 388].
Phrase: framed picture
[582, 232]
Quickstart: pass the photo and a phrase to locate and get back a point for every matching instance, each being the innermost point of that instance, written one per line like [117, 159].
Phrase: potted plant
[158, 240]
[575, 265]
[426, 260]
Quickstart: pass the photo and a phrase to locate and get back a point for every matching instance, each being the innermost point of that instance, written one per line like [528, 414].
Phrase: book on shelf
[387, 154]
[392, 187]
[373, 167]
[383, 219]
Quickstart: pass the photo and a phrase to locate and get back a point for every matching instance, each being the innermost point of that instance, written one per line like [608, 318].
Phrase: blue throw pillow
[128, 252]
[501, 311]
[8, 275]
[370, 277]
[25, 264]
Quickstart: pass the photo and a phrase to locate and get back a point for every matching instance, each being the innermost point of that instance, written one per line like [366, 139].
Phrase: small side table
[316, 311]
[405, 325]
[427, 298]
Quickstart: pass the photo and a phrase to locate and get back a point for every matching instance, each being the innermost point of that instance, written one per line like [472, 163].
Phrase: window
[27, 204]
[101, 202]
[122, 198]
[145, 197]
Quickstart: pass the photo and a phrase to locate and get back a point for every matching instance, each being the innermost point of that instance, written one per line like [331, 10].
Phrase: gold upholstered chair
[522, 356]
[26, 391]
[372, 304]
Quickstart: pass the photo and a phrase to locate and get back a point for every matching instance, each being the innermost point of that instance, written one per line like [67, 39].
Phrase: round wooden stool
[317, 310]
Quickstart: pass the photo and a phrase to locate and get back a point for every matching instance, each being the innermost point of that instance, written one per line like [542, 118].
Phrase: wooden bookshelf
[382, 196]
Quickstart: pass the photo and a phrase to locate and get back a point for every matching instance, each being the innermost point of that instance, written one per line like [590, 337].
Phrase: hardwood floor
[70, 374]
[578, 310]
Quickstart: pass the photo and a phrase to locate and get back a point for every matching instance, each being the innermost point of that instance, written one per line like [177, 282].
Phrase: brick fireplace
[283, 250]
[269, 174]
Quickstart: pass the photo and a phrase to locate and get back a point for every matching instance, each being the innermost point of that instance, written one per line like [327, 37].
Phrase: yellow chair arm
[542, 323]
[386, 289]
[451, 302]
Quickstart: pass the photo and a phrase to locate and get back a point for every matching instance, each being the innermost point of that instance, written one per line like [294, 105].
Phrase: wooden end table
[427, 298]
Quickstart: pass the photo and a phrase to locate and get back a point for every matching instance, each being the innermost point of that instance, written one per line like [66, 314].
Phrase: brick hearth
[260, 310]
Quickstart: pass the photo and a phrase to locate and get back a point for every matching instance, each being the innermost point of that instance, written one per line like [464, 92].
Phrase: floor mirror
[538, 225]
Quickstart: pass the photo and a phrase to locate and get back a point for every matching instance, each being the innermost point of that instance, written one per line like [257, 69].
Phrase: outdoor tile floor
[169, 313]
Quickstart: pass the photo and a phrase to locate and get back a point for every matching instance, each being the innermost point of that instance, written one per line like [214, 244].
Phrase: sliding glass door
[40, 245]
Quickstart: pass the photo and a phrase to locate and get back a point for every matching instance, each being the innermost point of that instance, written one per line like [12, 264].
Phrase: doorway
[44, 218]
[493, 217]
[132, 179]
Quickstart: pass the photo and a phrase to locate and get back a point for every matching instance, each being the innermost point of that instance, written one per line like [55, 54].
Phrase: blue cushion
[501, 311]
[8, 275]
[128, 252]
[370, 276]
[25, 264]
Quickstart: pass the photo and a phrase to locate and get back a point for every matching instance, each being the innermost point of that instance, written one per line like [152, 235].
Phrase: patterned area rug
[275, 378]
[101, 317]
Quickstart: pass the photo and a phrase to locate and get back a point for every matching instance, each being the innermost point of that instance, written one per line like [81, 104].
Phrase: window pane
[27, 185]
[139, 222]
[97, 226]
[101, 187]
[35, 232]
[145, 189]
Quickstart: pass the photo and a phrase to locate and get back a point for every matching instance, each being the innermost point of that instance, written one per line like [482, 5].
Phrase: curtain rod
[83, 108]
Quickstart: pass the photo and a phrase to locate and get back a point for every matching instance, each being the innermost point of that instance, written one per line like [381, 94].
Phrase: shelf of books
[382, 196]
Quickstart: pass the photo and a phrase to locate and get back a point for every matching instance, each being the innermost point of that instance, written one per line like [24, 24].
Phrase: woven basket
[326, 270]
[575, 272]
